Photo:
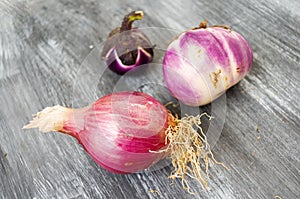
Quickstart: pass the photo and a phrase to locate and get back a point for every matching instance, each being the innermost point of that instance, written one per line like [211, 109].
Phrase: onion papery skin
[119, 131]
[202, 63]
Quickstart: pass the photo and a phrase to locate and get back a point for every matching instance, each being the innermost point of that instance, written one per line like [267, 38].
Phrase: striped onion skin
[202, 63]
[119, 131]
[122, 128]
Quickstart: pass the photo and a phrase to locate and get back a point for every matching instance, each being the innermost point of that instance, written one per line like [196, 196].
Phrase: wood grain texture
[44, 45]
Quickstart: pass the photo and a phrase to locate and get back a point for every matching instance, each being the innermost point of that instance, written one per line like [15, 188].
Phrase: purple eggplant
[127, 47]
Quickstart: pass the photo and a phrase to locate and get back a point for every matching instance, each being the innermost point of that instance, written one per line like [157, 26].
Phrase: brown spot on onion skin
[199, 53]
[215, 77]
[238, 69]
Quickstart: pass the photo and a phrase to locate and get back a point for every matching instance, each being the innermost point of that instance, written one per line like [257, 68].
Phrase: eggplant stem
[130, 18]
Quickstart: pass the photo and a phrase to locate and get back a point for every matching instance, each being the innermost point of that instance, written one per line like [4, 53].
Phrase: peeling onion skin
[202, 63]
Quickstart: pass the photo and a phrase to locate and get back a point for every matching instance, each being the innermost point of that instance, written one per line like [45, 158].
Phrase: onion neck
[130, 18]
[203, 25]
[58, 118]
[74, 123]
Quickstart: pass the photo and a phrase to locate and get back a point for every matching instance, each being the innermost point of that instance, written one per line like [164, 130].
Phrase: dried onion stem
[50, 119]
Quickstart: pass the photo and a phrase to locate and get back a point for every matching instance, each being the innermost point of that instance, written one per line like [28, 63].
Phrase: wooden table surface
[49, 55]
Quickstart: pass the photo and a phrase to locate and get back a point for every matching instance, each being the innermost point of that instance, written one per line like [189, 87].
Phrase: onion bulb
[127, 132]
[202, 63]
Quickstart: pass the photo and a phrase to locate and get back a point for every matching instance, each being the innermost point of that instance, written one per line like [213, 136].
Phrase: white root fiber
[189, 151]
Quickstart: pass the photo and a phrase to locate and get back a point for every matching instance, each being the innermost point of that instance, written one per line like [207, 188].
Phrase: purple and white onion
[202, 63]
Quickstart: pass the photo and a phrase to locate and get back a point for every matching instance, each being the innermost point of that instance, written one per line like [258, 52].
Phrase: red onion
[127, 132]
[202, 63]
[126, 47]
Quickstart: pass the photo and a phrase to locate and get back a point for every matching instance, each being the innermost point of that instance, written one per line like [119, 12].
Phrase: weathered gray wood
[42, 46]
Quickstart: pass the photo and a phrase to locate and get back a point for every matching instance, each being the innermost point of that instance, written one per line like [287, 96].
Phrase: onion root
[189, 150]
